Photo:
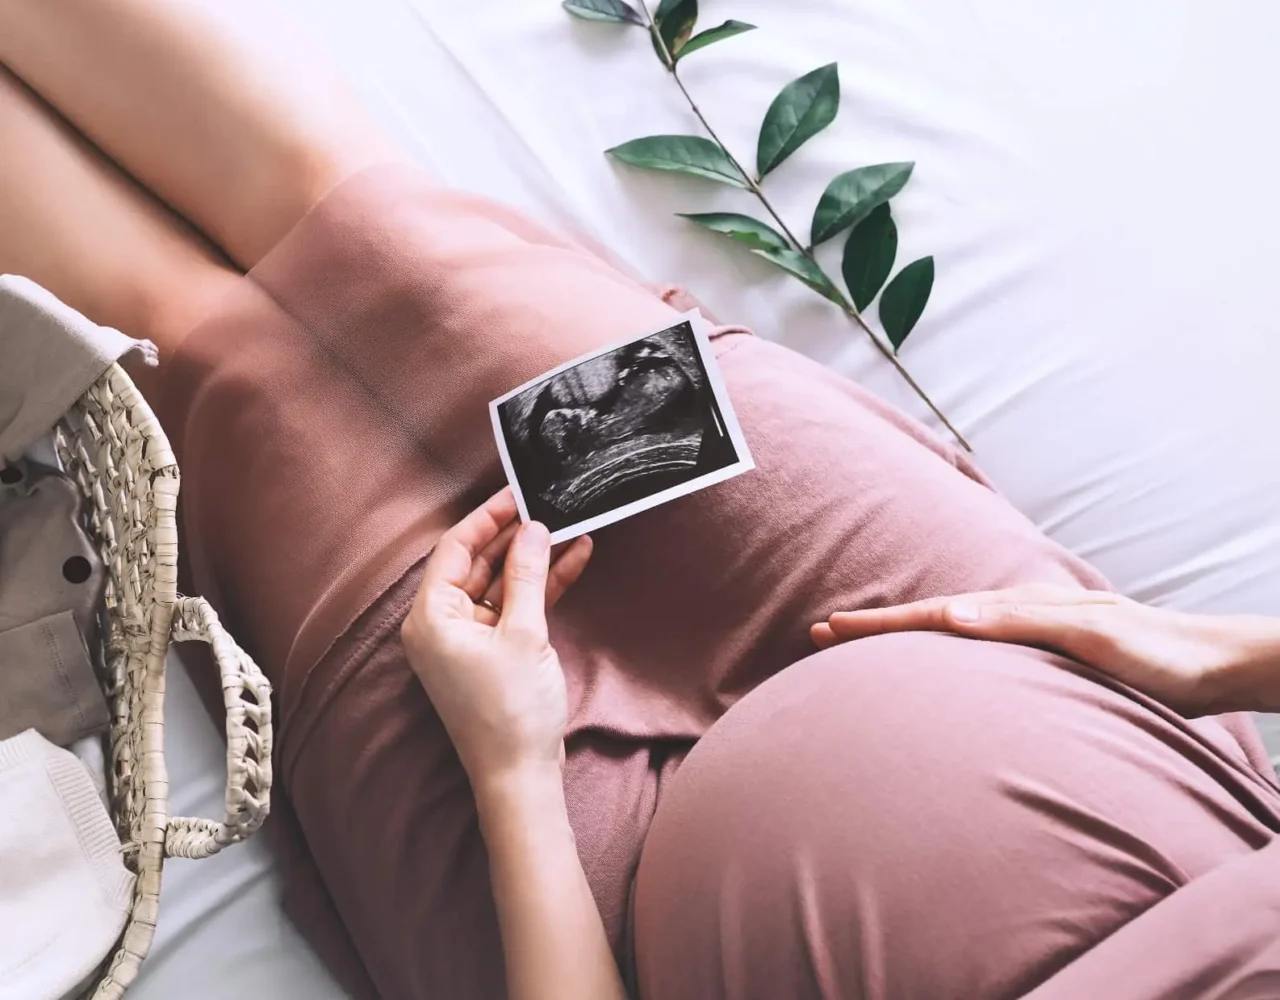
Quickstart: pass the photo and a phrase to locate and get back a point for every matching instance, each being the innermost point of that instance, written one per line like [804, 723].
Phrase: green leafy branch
[857, 201]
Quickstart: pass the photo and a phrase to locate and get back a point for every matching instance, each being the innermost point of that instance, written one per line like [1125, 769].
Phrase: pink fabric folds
[332, 420]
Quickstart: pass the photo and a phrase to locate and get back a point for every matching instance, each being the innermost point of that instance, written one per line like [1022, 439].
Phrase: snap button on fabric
[76, 569]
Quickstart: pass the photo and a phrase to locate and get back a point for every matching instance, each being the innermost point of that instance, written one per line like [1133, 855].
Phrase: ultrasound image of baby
[615, 428]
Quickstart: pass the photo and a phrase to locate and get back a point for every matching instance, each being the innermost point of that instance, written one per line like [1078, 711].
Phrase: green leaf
[853, 195]
[712, 35]
[802, 109]
[904, 300]
[675, 20]
[684, 154]
[765, 241]
[806, 270]
[751, 233]
[603, 10]
[869, 255]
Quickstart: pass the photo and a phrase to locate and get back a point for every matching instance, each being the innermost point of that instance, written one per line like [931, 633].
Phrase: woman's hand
[497, 684]
[494, 678]
[1195, 664]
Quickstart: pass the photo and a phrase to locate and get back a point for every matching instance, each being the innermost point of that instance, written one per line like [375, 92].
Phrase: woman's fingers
[486, 567]
[1041, 614]
[568, 560]
[451, 561]
[822, 635]
[920, 616]
[1013, 621]
[524, 590]
[448, 571]
[568, 567]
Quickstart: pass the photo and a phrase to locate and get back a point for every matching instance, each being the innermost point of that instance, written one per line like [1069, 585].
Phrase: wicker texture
[112, 445]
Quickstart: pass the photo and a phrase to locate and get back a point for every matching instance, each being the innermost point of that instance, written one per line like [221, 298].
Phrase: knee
[272, 194]
[280, 178]
[172, 296]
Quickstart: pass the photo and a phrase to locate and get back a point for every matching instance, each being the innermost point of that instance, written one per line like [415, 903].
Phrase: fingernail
[964, 613]
[535, 539]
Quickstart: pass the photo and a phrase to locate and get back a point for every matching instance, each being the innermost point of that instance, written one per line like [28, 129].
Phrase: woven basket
[112, 445]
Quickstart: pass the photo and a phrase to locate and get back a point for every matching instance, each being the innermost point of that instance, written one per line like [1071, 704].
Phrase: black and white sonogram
[620, 430]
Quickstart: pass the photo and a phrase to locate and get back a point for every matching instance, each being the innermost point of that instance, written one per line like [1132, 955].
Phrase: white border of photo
[720, 391]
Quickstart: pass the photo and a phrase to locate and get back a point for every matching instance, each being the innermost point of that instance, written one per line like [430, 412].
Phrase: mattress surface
[1095, 179]
[222, 934]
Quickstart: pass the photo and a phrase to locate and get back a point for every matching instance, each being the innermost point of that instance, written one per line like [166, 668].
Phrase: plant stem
[753, 186]
[892, 358]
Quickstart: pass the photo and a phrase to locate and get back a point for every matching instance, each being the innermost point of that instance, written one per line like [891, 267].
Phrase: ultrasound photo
[619, 431]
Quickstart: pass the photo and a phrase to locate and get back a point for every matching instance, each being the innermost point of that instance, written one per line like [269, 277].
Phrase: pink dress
[910, 816]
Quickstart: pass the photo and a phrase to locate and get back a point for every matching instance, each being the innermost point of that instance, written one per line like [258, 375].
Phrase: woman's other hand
[493, 677]
[1195, 664]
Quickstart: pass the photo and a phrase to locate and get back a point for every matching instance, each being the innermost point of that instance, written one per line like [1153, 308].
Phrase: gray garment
[51, 581]
[49, 355]
[47, 682]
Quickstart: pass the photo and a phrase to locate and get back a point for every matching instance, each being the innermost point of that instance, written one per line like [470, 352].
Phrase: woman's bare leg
[215, 107]
[71, 221]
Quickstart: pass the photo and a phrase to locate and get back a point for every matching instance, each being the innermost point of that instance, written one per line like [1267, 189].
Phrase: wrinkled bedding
[1092, 177]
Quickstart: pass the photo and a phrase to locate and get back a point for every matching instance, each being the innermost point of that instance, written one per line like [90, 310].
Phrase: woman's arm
[498, 687]
[1251, 680]
[552, 936]
[1195, 664]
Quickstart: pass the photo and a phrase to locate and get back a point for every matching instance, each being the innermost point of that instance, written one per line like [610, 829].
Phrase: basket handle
[246, 694]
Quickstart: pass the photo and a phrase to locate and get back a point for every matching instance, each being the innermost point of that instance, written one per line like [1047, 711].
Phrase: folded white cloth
[92, 757]
[64, 890]
[49, 355]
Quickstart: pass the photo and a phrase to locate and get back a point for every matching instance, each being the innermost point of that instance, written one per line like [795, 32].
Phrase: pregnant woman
[907, 816]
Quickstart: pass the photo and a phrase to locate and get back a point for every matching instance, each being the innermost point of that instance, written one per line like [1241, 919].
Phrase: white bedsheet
[1094, 177]
[221, 933]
